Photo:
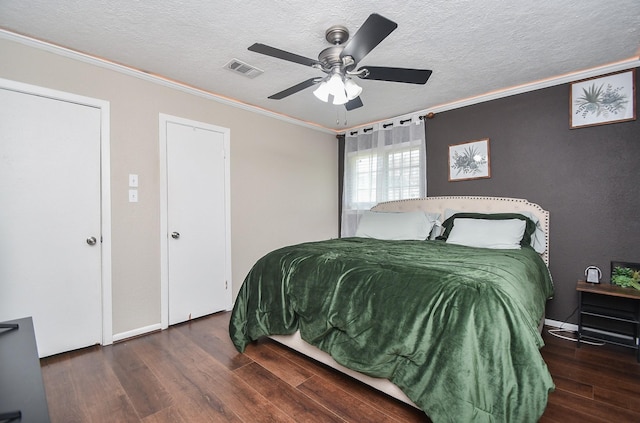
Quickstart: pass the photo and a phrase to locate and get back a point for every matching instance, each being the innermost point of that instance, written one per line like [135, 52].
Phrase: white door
[50, 210]
[197, 220]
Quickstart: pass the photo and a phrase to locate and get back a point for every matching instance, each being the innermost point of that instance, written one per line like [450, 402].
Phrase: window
[382, 165]
[399, 172]
[404, 174]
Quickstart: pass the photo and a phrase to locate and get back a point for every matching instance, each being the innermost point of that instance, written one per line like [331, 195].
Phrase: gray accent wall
[588, 178]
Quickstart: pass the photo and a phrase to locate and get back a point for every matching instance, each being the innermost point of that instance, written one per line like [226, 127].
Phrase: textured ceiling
[473, 47]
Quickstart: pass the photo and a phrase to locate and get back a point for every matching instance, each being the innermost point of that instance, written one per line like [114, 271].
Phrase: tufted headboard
[475, 204]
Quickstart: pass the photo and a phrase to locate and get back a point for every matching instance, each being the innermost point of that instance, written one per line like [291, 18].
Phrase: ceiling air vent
[243, 68]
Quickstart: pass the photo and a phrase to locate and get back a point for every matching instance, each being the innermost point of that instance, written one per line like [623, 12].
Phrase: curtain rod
[429, 115]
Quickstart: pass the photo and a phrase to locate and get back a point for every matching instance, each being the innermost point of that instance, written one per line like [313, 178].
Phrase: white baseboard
[136, 332]
[563, 325]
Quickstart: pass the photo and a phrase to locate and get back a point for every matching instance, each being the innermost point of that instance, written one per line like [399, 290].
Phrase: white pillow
[538, 238]
[485, 233]
[394, 226]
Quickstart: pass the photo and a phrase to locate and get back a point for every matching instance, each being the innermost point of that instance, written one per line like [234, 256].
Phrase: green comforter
[456, 328]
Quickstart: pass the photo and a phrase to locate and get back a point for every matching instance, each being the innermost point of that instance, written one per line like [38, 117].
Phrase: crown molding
[494, 95]
[103, 63]
[630, 63]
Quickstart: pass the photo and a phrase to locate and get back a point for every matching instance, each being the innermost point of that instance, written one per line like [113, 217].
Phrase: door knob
[92, 240]
[175, 235]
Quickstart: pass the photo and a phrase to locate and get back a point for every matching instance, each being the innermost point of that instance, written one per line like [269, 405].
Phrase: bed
[446, 325]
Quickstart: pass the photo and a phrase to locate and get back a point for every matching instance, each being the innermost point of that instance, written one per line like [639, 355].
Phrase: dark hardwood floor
[192, 373]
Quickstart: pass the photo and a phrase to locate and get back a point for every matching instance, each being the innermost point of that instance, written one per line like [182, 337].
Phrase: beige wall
[283, 176]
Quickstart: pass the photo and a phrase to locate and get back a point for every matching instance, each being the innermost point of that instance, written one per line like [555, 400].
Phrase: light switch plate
[133, 195]
[133, 180]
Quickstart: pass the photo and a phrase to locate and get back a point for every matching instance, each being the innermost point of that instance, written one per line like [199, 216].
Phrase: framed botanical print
[604, 99]
[469, 160]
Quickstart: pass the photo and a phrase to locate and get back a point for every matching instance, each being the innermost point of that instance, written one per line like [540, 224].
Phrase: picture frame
[625, 274]
[602, 100]
[469, 160]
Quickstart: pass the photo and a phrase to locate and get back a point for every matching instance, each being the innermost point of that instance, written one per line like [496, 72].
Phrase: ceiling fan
[340, 60]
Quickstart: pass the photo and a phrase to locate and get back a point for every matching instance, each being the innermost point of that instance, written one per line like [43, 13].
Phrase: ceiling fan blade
[375, 29]
[292, 90]
[353, 104]
[284, 55]
[409, 76]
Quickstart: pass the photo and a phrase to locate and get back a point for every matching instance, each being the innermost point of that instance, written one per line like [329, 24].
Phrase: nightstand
[609, 313]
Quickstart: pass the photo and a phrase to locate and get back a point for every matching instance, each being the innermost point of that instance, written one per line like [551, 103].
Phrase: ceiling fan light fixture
[340, 97]
[335, 83]
[322, 92]
[337, 88]
[334, 86]
[352, 89]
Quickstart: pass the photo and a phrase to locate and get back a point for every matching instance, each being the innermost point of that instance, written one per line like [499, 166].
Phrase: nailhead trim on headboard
[476, 204]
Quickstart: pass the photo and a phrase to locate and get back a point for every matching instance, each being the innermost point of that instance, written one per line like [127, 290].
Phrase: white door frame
[164, 119]
[105, 188]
